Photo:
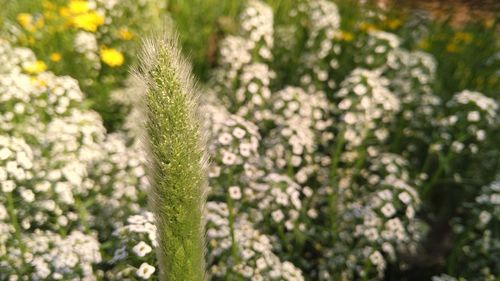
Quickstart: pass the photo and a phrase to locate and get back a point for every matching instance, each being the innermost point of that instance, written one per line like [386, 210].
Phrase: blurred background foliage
[462, 37]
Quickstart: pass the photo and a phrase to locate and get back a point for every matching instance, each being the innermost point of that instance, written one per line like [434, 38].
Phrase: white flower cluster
[378, 219]
[16, 158]
[242, 252]
[479, 246]
[120, 181]
[253, 93]
[324, 18]
[293, 105]
[128, 97]
[234, 54]
[323, 47]
[134, 256]
[367, 107]
[233, 147]
[243, 79]
[472, 115]
[374, 48]
[53, 256]
[488, 107]
[32, 100]
[86, 44]
[290, 148]
[256, 23]
[13, 59]
[49, 148]
[276, 204]
[411, 75]
[59, 258]
[410, 71]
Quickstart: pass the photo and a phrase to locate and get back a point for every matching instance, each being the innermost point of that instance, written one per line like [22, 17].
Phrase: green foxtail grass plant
[177, 158]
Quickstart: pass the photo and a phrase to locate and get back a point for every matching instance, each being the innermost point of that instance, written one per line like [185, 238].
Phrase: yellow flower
[55, 57]
[64, 12]
[125, 34]
[35, 67]
[40, 22]
[423, 44]
[463, 36]
[393, 23]
[365, 26]
[88, 21]
[451, 48]
[346, 36]
[111, 57]
[26, 21]
[47, 5]
[78, 6]
[488, 23]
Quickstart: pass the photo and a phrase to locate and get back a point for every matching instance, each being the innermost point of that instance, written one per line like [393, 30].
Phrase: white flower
[410, 212]
[480, 135]
[484, 217]
[473, 116]
[245, 149]
[5, 153]
[404, 197]
[235, 192]
[360, 89]
[213, 171]
[277, 215]
[28, 195]
[225, 138]
[145, 271]
[8, 186]
[376, 258]
[239, 133]
[388, 210]
[371, 234]
[142, 249]
[228, 158]
[457, 146]
[85, 42]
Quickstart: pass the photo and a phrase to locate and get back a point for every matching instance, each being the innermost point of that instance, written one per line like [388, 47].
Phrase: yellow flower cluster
[90, 33]
[367, 27]
[77, 14]
[35, 67]
[29, 23]
[81, 16]
[458, 40]
[55, 57]
[111, 57]
[346, 36]
[125, 34]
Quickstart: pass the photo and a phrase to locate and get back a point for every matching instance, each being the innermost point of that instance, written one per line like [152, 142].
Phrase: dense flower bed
[325, 170]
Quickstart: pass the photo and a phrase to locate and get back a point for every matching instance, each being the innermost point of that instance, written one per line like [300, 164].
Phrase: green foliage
[177, 158]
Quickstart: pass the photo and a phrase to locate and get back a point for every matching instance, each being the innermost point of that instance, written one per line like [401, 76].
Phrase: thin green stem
[442, 164]
[332, 200]
[13, 216]
[399, 133]
[83, 215]
[427, 161]
[234, 244]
